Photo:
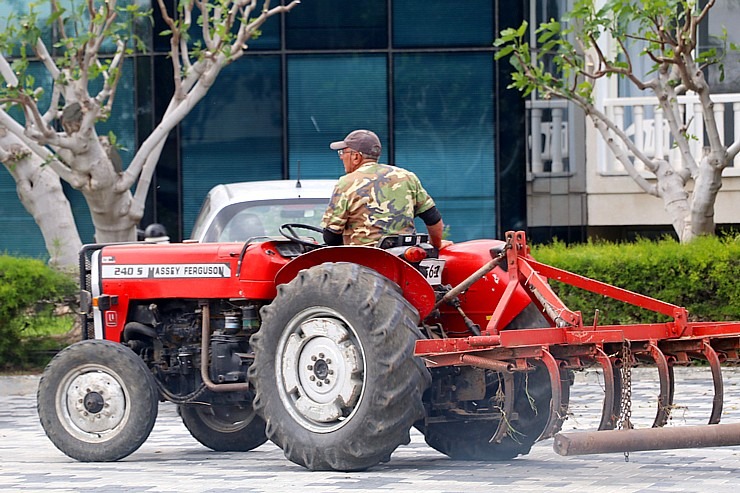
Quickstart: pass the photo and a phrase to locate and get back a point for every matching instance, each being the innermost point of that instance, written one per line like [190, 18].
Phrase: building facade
[419, 73]
[576, 188]
[423, 76]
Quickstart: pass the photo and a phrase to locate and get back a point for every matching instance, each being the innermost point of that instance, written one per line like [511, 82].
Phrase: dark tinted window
[418, 23]
[337, 24]
[443, 132]
[328, 97]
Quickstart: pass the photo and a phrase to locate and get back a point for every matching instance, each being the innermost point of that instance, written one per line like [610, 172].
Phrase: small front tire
[97, 401]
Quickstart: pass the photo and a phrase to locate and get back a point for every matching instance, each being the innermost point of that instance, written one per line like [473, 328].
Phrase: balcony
[551, 140]
[644, 122]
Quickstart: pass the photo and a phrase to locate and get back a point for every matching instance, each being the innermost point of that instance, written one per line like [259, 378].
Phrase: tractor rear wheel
[462, 439]
[97, 401]
[334, 372]
[224, 428]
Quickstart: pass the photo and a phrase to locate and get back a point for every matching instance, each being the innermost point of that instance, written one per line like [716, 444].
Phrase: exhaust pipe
[674, 437]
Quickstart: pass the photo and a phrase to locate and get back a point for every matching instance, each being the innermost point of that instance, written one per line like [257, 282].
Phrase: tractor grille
[86, 312]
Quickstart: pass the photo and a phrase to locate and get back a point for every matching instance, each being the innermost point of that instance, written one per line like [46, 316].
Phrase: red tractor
[334, 353]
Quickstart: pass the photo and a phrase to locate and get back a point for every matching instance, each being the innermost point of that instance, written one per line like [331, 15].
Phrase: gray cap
[363, 141]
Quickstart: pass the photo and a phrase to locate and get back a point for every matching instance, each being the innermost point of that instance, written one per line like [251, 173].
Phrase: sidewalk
[172, 461]
[19, 385]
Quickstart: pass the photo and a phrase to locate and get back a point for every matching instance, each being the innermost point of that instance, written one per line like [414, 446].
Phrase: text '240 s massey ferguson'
[335, 353]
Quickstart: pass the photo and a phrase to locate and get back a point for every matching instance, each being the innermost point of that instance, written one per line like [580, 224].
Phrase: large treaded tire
[224, 428]
[469, 440]
[97, 401]
[347, 325]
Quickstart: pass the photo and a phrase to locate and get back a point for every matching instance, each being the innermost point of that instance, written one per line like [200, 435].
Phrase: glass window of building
[338, 24]
[328, 97]
[233, 134]
[429, 23]
[443, 124]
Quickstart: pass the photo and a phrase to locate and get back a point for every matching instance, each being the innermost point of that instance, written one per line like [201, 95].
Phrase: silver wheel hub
[93, 402]
[322, 372]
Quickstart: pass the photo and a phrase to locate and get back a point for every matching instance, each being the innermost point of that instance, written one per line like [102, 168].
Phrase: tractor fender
[414, 286]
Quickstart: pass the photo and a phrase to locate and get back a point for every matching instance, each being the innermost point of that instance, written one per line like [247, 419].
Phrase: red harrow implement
[567, 343]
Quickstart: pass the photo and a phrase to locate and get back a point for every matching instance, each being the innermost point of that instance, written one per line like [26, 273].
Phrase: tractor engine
[168, 336]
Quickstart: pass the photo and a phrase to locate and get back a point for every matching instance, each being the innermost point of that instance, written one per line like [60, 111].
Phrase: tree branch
[136, 211]
[34, 119]
[602, 125]
[176, 112]
[666, 97]
[733, 150]
[106, 95]
[7, 72]
[175, 49]
[60, 168]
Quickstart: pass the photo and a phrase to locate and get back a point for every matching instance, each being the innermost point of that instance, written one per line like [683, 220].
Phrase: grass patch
[47, 325]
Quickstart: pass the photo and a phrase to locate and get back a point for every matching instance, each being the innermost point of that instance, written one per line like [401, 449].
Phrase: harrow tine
[556, 415]
[503, 425]
[665, 374]
[714, 364]
[502, 368]
[610, 409]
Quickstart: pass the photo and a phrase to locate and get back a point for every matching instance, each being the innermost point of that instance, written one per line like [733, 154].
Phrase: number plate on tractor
[432, 270]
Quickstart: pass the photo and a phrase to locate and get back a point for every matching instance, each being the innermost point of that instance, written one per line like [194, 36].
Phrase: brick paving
[172, 461]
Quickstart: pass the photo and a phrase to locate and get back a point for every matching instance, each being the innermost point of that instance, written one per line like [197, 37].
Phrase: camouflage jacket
[375, 200]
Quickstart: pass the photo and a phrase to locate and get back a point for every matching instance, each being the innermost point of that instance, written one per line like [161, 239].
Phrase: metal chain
[625, 404]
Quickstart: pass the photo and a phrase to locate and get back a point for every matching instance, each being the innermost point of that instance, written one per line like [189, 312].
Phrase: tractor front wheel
[97, 401]
[334, 372]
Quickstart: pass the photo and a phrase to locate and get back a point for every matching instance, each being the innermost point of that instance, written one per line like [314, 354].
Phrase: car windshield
[239, 222]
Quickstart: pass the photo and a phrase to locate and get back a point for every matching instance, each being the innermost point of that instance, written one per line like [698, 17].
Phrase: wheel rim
[92, 403]
[225, 420]
[321, 369]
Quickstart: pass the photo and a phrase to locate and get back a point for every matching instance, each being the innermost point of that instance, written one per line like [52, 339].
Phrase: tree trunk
[706, 187]
[109, 212]
[40, 191]
[671, 189]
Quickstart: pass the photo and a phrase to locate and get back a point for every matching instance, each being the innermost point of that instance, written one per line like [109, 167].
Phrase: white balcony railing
[644, 122]
[548, 137]
[551, 141]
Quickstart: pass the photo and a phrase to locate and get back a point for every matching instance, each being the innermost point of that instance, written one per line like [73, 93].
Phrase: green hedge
[25, 285]
[703, 276]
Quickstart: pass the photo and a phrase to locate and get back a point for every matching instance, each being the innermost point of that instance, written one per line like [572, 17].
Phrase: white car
[239, 211]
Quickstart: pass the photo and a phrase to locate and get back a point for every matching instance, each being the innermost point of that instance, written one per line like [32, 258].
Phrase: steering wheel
[288, 230]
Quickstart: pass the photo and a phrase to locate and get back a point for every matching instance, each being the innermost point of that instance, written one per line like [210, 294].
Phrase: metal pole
[674, 437]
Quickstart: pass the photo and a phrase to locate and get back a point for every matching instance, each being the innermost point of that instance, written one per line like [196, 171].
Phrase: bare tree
[59, 139]
[667, 31]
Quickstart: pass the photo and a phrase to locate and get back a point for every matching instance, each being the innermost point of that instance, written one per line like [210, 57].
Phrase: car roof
[248, 191]
[224, 195]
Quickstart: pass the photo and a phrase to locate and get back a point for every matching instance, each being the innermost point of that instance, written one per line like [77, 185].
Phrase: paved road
[172, 461]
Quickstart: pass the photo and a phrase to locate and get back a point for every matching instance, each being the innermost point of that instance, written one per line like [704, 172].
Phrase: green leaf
[506, 51]
[522, 29]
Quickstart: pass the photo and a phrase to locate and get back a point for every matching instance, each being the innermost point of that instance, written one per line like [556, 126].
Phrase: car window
[200, 221]
[265, 219]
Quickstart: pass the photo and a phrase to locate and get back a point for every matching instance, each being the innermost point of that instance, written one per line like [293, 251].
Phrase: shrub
[26, 284]
[701, 276]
